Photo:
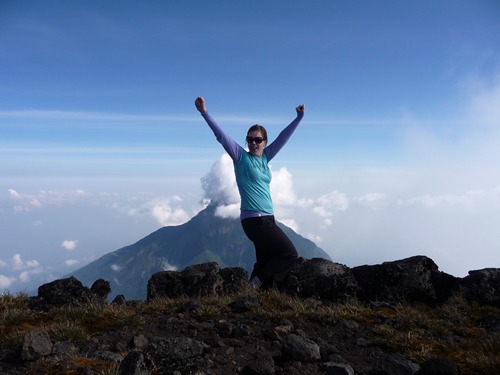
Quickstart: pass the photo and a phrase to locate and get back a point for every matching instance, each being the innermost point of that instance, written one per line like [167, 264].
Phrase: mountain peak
[205, 238]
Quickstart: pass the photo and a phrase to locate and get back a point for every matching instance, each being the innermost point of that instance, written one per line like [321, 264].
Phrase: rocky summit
[397, 318]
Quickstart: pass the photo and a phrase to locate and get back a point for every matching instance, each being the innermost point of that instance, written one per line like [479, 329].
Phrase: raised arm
[230, 145]
[273, 148]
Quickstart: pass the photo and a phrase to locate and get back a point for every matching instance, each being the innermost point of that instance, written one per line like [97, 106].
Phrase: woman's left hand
[300, 108]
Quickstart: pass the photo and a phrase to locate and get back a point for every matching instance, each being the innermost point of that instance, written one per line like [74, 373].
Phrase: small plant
[15, 316]
[70, 331]
[99, 317]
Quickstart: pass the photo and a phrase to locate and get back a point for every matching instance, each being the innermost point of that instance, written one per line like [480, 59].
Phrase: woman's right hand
[200, 104]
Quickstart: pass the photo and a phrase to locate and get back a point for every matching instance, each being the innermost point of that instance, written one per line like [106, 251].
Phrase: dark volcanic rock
[260, 366]
[101, 288]
[301, 349]
[199, 280]
[415, 279]
[61, 292]
[69, 292]
[482, 286]
[320, 278]
[36, 344]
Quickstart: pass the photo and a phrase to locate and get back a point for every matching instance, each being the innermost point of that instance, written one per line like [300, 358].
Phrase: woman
[275, 253]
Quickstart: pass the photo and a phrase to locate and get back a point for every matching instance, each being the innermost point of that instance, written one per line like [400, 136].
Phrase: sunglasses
[258, 140]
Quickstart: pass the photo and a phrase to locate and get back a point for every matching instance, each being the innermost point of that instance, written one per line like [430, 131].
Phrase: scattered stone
[36, 343]
[242, 330]
[298, 348]
[260, 366]
[138, 342]
[334, 368]
[62, 349]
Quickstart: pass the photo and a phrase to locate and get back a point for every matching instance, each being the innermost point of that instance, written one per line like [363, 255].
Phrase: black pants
[274, 251]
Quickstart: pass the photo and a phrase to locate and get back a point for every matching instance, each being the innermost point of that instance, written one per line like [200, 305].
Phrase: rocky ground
[258, 333]
[212, 322]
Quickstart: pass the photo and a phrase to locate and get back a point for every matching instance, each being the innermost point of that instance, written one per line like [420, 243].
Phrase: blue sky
[100, 143]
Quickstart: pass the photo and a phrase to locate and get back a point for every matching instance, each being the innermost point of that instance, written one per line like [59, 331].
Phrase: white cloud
[282, 190]
[327, 204]
[116, 267]
[291, 223]
[27, 202]
[26, 267]
[165, 211]
[32, 264]
[24, 202]
[24, 276]
[469, 200]
[219, 185]
[5, 282]
[17, 262]
[14, 194]
[168, 267]
[71, 262]
[373, 200]
[228, 210]
[69, 245]
[165, 214]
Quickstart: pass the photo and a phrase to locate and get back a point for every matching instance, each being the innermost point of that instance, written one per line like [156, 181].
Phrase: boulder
[199, 280]
[298, 348]
[320, 278]
[482, 286]
[334, 368]
[101, 288]
[414, 279]
[36, 343]
[260, 366]
[68, 291]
